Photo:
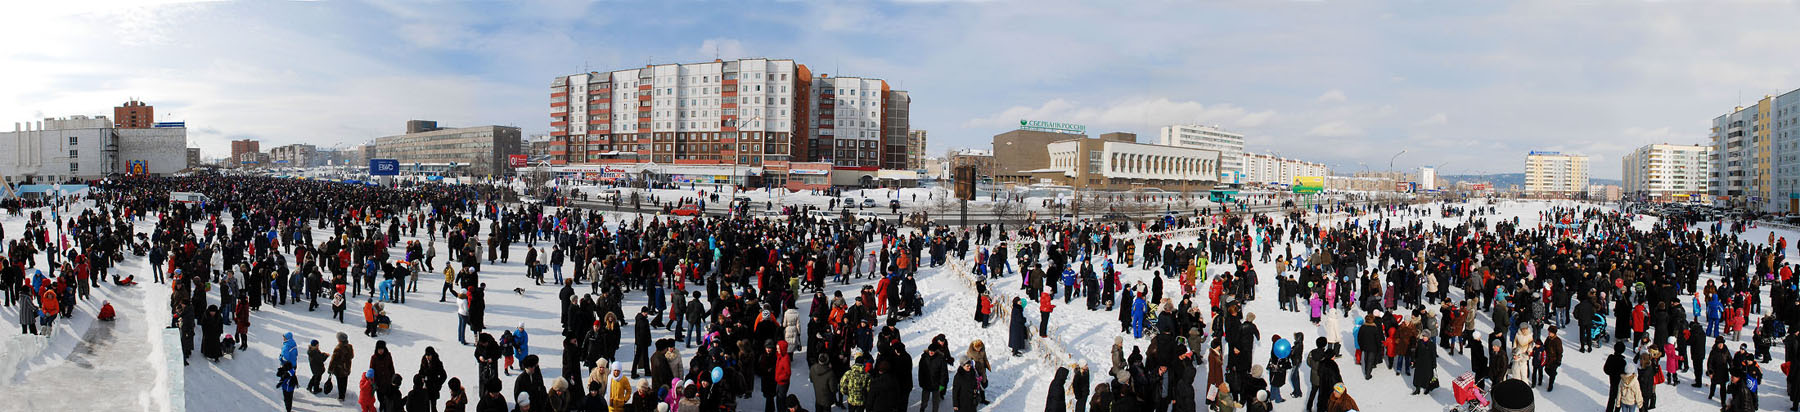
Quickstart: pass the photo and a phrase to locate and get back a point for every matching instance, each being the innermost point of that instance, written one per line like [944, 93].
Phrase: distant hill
[1503, 180]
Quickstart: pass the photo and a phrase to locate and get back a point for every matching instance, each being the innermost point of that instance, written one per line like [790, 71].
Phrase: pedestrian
[341, 356]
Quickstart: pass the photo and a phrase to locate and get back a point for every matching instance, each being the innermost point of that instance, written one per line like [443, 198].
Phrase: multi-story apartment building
[1554, 174]
[1666, 172]
[746, 112]
[295, 155]
[1271, 170]
[134, 114]
[1229, 145]
[241, 147]
[915, 150]
[1777, 121]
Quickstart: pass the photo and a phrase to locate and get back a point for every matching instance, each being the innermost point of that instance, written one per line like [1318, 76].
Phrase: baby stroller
[1469, 393]
[1597, 333]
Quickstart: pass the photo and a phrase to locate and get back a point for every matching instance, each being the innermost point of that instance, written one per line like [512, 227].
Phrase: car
[687, 210]
[768, 215]
[1066, 217]
[894, 203]
[867, 202]
[1115, 217]
[866, 216]
[822, 215]
[742, 199]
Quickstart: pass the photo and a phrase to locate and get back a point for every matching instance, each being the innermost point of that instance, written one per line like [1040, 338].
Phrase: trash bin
[1514, 395]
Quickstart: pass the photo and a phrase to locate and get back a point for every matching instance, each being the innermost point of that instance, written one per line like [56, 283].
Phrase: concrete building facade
[472, 151]
[1555, 174]
[1268, 170]
[1666, 172]
[1229, 145]
[1099, 164]
[746, 112]
[915, 149]
[1020, 150]
[1785, 133]
[84, 147]
[295, 155]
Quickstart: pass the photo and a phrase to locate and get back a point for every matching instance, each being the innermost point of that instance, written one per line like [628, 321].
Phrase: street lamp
[1396, 156]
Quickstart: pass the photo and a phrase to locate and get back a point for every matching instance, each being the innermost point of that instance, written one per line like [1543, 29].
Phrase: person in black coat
[964, 395]
[530, 381]
[1368, 339]
[1615, 370]
[1057, 400]
[1017, 335]
[934, 373]
[1718, 366]
[1793, 379]
[1424, 358]
[641, 357]
[211, 326]
[1079, 384]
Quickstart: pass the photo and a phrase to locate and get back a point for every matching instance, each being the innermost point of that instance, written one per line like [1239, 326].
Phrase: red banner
[516, 160]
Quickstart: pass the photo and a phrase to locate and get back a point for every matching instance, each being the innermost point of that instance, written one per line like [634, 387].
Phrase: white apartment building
[850, 113]
[741, 111]
[1427, 178]
[1229, 145]
[746, 112]
[1278, 171]
[1554, 174]
[1667, 172]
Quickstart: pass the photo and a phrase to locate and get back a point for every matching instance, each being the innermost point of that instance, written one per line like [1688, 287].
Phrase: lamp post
[1396, 156]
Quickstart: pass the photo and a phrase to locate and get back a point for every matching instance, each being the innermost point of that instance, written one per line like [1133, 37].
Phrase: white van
[187, 197]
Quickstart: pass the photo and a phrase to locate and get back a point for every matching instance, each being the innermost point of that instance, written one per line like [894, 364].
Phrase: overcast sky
[1470, 85]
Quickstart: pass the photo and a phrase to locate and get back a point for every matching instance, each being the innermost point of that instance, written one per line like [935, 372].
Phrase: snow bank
[25, 354]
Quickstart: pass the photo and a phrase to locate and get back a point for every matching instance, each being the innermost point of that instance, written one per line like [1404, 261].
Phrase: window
[72, 141]
[74, 167]
[73, 153]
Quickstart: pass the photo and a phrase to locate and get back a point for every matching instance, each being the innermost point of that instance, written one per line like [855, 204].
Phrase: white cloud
[1335, 129]
[1437, 119]
[1141, 114]
[722, 48]
[1332, 96]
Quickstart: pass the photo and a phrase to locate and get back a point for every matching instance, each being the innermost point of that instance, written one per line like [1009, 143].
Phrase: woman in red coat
[242, 316]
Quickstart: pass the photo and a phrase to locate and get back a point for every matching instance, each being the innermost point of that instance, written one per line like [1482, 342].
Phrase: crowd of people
[741, 302]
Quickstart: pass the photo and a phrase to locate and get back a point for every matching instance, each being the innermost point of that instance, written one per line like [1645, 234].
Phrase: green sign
[1052, 126]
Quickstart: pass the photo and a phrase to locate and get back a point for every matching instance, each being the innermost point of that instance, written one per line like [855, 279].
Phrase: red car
[687, 210]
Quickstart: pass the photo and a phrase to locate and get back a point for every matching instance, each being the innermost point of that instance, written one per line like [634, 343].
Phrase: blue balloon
[717, 374]
[1283, 348]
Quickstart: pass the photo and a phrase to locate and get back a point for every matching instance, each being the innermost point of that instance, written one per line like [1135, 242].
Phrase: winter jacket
[341, 356]
[854, 385]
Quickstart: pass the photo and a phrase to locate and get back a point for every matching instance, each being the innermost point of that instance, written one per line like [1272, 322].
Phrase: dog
[520, 291]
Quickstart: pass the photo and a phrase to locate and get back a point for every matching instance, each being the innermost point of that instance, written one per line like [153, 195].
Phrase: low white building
[89, 147]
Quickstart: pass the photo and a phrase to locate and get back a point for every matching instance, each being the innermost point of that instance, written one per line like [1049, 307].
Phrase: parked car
[822, 215]
[867, 202]
[867, 216]
[1115, 217]
[687, 210]
[894, 203]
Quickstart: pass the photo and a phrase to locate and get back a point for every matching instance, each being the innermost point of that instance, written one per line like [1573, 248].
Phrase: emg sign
[384, 167]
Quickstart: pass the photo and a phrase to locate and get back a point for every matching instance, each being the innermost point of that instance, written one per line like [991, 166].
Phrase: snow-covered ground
[124, 352]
